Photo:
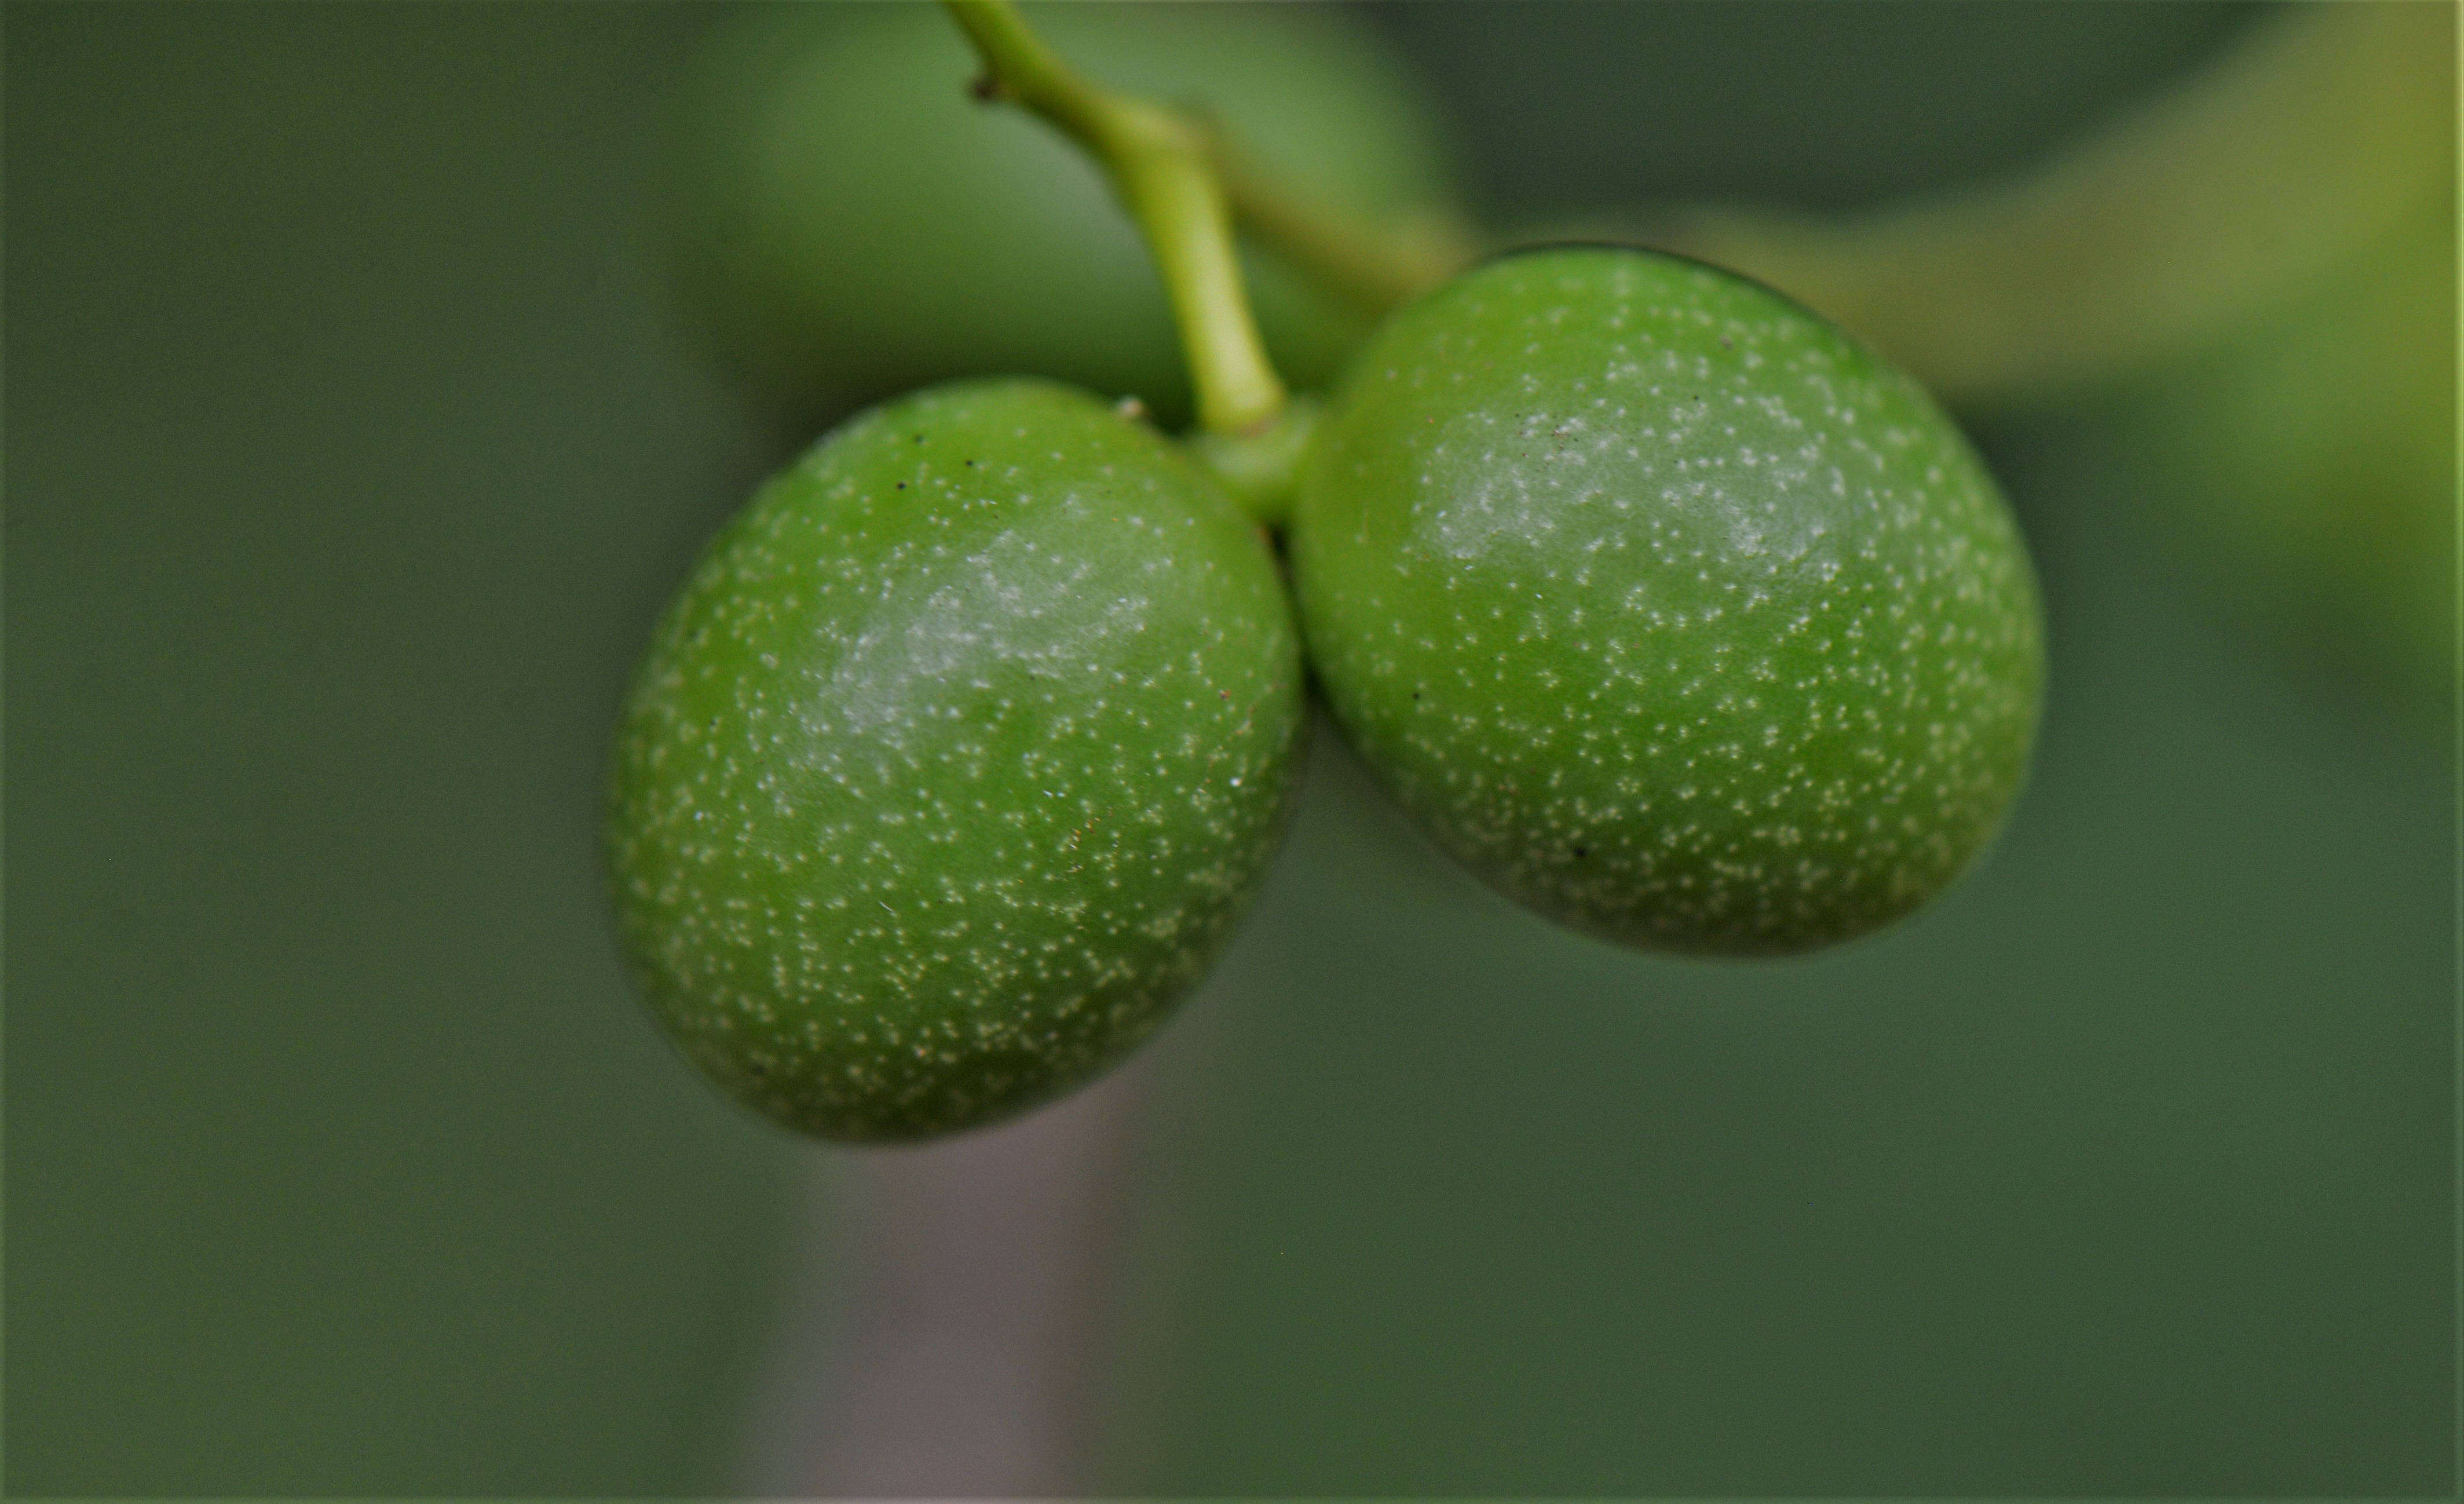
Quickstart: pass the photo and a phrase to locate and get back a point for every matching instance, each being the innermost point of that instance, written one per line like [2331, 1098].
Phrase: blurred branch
[2329, 129]
[947, 1341]
[1375, 266]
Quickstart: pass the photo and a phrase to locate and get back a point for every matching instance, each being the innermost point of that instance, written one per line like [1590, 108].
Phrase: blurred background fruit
[851, 222]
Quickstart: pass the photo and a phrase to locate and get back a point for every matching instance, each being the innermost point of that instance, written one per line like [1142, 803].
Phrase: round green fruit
[850, 223]
[953, 764]
[1667, 610]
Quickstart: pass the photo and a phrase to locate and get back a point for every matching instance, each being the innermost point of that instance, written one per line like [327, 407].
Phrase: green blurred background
[352, 443]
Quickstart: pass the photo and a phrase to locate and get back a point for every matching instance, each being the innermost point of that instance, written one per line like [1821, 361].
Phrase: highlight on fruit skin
[953, 764]
[1670, 612]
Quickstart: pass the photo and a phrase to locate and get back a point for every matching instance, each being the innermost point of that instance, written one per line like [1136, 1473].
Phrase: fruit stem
[1160, 165]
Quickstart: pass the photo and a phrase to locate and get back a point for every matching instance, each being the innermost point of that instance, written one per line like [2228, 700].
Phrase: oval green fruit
[850, 223]
[1667, 610]
[953, 764]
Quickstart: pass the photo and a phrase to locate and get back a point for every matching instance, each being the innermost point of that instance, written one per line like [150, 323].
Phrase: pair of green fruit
[1666, 608]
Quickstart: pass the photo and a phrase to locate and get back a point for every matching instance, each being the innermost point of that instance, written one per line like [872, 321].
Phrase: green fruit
[1667, 610]
[955, 763]
[851, 223]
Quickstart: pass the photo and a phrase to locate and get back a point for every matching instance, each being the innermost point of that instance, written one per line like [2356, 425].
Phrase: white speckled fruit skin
[955, 763]
[1669, 611]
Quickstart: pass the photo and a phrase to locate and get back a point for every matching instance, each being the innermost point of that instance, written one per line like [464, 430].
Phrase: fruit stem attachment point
[1260, 469]
[1160, 165]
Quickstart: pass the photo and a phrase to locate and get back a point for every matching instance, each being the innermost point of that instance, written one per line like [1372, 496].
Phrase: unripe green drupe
[953, 764]
[1667, 610]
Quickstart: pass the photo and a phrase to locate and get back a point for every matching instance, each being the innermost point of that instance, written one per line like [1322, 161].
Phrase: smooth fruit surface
[953, 764]
[1666, 609]
[851, 224]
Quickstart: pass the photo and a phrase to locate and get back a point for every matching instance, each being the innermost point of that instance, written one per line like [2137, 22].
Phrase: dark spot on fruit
[1582, 851]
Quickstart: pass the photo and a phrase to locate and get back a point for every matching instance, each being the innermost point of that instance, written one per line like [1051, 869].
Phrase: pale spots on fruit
[1770, 650]
[953, 831]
